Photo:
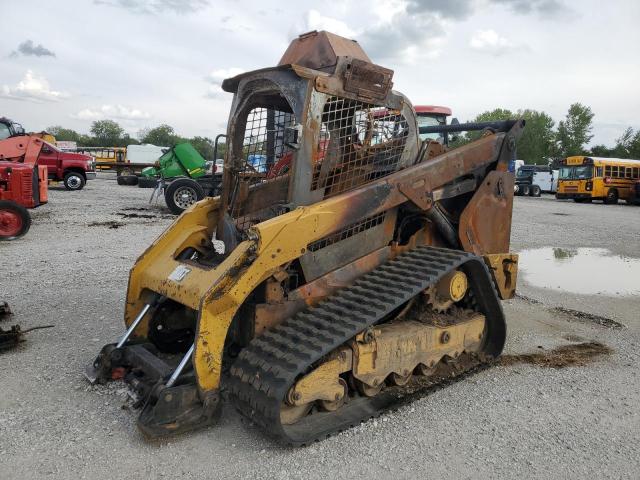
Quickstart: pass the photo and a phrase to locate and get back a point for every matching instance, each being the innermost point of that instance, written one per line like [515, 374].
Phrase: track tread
[266, 369]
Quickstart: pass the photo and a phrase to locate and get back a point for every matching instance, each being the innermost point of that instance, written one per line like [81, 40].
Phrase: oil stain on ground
[577, 354]
[109, 224]
[585, 271]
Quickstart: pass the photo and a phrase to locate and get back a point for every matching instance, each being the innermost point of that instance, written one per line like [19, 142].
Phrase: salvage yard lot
[519, 419]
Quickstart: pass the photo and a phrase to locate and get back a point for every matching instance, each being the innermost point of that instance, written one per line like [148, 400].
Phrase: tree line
[107, 133]
[542, 141]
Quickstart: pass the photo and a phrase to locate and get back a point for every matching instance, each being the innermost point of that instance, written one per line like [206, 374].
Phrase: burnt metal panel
[320, 50]
[347, 245]
[485, 224]
[367, 80]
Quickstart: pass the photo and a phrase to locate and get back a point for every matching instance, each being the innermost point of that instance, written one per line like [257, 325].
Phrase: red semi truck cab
[431, 116]
[74, 169]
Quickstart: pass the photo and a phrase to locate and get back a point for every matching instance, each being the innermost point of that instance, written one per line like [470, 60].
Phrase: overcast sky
[146, 62]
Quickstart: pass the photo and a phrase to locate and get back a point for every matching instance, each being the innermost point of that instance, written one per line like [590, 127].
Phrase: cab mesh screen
[359, 142]
[265, 158]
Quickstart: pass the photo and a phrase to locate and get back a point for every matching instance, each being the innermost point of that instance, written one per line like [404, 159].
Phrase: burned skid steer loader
[345, 263]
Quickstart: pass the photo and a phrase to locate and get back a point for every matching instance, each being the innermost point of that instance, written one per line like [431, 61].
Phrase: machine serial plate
[179, 273]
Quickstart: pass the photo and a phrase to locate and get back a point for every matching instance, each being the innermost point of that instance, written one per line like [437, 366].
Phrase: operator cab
[433, 116]
[9, 128]
[311, 128]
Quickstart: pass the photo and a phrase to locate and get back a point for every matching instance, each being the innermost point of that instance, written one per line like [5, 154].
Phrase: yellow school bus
[105, 156]
[592, 178]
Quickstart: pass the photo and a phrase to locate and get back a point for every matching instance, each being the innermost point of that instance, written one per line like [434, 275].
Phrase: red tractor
[23, 184]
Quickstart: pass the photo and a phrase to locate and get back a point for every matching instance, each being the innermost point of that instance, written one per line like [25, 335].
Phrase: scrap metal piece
[12, 336]
[5, 311]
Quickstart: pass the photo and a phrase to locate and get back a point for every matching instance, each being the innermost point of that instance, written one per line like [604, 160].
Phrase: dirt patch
[575, 314]
[600, 320]
[530, 300]
[565, 356]
[109, 224]
[136, 209]
[573, 338]
[136, 215]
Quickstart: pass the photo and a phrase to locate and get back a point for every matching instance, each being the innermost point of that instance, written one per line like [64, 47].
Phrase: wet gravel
[516, 421]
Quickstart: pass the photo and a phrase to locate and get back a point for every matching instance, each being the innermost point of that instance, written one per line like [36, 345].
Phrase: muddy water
[581, 270]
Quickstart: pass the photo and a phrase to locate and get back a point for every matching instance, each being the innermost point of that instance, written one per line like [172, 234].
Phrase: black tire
[525, 190]
[15, 220]
[147, 182]
[535, 191]
[181, 194]
[127, 180]
[612, 197]
[74, 181]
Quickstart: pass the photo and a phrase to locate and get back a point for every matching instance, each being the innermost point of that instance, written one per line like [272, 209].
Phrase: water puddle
[585, 271]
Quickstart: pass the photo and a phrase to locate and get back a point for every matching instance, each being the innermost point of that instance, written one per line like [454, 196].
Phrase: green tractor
[184, 176]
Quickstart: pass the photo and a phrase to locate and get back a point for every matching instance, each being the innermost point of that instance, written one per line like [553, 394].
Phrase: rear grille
[27, 185]
[347, 232]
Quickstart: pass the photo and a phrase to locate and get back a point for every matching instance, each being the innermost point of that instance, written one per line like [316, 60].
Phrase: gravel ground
[518, 421]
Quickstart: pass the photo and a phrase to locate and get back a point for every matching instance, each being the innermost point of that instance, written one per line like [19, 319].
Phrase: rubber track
[266, 369]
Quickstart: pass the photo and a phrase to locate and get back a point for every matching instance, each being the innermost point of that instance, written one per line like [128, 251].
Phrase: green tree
[574, 132]
[634, 146]
[87, 141]
[163, 135]
[107, 133]
[204, 146]
[537, 143]
[129, 140]
[627, 145]
[601, 151]
[488, 116]
[495, 115]
[62, 133]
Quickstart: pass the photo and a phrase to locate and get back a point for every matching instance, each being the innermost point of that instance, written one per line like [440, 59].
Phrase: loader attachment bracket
[178, 409]
[504, 271]
[418, 192]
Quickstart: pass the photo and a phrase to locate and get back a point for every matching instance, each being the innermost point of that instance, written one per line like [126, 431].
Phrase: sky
[147, 62]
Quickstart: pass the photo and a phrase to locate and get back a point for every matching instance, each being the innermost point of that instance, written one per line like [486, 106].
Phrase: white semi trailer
[532, 180]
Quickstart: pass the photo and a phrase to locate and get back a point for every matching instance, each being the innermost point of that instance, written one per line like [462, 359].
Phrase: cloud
[156, 6]
[411, 30]
[29, 49]
[32, 88]
[216, 77]
[545, 8]
[490, 41]
[403, 35]
[450, 9]
[314, 20]
[116, 112]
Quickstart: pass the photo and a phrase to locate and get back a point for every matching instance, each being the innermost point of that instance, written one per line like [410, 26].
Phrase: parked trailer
[532, 180]
[127, 162]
